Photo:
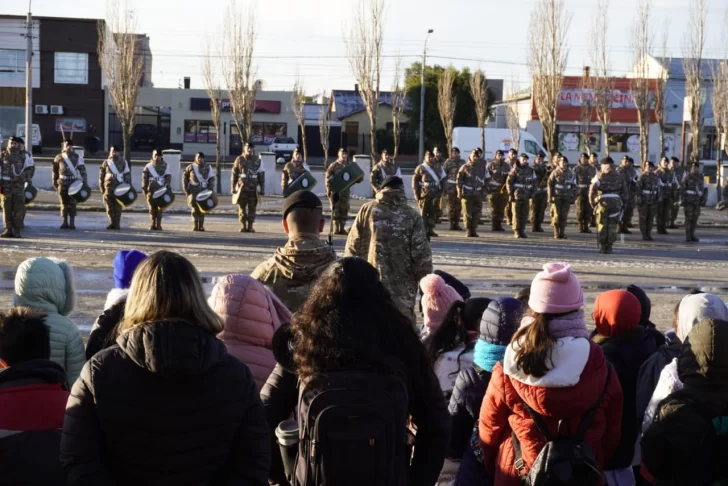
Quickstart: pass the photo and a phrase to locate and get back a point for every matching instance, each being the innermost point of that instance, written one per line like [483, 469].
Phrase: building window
[265, 133]
[572, 138]
[200, 131]
[624, 139]
[12, 61]
[71, 68]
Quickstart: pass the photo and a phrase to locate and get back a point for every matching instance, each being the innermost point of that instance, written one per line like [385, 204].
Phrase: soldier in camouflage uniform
[561, 195]
[693, 196]
[339, 203]
[67, 168]
[538, 202]
[667, 184]
[427, 185]
[437, 160]
[293, 170]
[607, 195]
[512, 162]
[472, 187]
[521, 184]
[114, 171]
[680, 173]
[452, 167]
[631, 175]
[648, 195]
[16, 168]
[248, 179]
[391, 236]
[594, 164]
[385, 168]
[584, 173]
[154, 178]
[198, 176]
[497, 195]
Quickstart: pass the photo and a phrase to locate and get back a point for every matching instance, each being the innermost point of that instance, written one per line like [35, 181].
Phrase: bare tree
[239, 72]
[719, 99]
[118, 55]
[512, 116]
[642, 44]
[324, 131]
[661, 87]
[398, 105]
[214, 92]
[693, 49]
[547, 55]
[586, 108]
[364, 43]
[446, 101]
[601, 83]
[297, 102]
[479, 92]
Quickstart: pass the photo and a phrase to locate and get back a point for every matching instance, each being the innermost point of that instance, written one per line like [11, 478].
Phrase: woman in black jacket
[167, 405]
[350, 322]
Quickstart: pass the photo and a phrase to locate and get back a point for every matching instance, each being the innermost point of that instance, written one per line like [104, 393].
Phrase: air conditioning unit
[56, 110]
[41, 109]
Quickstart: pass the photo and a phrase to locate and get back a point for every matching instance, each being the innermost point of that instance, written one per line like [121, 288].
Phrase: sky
[306, 36]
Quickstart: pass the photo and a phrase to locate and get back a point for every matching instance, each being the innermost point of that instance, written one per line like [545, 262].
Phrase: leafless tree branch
[602, 83]
[398, 104]
[446, 103]
[479, 92]
[642, 46]
[214, 92]
[587, 108]
[325, 130]
[693, 50]
[512, 116]
[297, 102]
[661, 87]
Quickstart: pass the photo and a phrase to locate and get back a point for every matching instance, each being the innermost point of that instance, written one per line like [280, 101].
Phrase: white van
[468, 138]
[37, 140]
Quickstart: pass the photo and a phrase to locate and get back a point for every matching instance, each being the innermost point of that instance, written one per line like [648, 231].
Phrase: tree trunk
[482, 137]
[605, 137]
[127, 129]
[303, 142]
[662, 141]
[395, 139]
[218, 168]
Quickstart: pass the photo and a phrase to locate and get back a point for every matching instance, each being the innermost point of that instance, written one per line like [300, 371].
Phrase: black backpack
[353, 429]
[563, 460]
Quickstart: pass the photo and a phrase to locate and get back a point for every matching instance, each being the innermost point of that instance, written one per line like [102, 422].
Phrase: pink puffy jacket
[251, 314]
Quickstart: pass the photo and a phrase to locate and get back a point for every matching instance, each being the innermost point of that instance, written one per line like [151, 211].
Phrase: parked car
[145, 135]
[283, 147]
[468, 138]
[36, 140]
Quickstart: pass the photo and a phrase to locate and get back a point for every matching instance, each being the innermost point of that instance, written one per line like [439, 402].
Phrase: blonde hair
[167, 286]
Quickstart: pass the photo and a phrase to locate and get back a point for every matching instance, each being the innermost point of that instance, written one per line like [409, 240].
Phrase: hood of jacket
[645, 305]
[703, 364]
[33, 372]
[392, 196]
[304, 257]
[629, 348]
[172, 348]
[45, 284]
[695, 308]
[283, 344]
[116, 296]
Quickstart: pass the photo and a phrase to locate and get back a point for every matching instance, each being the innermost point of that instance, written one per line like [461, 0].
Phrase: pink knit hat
[556, 290]
[437, 298]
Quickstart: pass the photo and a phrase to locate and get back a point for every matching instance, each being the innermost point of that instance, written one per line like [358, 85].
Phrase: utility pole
[29, 82]
[422, 100]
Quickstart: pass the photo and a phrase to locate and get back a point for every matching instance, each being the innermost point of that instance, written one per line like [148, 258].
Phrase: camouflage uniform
[154, 178]
[648, 195]
[631, 175]
[692, 188]
[108, 182]
[521, 183]
[584, 214]
[391, 236]
[538, 202]
[667, 184]
[680, 174]
[497, 195]
[294, 268]
[607, 195]
[291, 172]
[472, 187]
[593, 217]
[247, 176]
[65, 172]
[16, 168]
[561, 194]
[452, 168]
[428, 191]
[340, 208]
[509, 207]
[380, 172]
[192, 185]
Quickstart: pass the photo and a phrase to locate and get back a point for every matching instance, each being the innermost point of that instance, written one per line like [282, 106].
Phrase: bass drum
[163, 198]
[30, 193]
[79, 191]
[206, 200]
[304, 182]
[348, 176]
[125, 194]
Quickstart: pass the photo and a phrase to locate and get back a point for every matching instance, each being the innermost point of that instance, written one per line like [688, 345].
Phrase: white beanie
[695, 308]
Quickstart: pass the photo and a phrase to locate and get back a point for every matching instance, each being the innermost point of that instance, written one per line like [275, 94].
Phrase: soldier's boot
[692, 233]
[16, 233]
[562, 231]
[202, 224]
[609, 250]
[196, 224]
[432, 234]
[110, 226]
[457, 226]
[159, 222]
[153, 226]
[244, 226]
[586, 228]
[64, 225]
[250, 226]
[72, 222]
[603, 249]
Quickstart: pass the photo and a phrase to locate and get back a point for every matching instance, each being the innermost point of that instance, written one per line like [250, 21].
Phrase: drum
[125, 194]
[351, 174]
[206, 200]
[79, 191]
[30, 193]
[163, 197]
[236, 197]
[304, 182]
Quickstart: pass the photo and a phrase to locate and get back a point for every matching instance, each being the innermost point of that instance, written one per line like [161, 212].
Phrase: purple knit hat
[556, 290]
[437, 298]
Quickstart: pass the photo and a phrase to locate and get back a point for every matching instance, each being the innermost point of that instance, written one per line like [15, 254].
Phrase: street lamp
[422, 99]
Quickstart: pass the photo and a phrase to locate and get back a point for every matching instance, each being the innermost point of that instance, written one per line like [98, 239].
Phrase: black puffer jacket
[649, 375]
[166, 406]
[103, 332]
[467, 396]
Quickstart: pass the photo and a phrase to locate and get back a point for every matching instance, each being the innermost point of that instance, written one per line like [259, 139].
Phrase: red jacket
[502, 412]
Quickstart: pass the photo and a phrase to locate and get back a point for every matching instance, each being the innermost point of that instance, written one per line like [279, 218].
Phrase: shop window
[263, 133]
[12, 61]
[624, 139]
[71, 68]
[200, 131]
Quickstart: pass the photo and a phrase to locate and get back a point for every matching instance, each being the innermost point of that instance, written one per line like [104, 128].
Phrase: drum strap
[384, 174]
[199, 177]
[432, 173]
[28, 162]
[70, 166]
[155, 175]
[115, 171]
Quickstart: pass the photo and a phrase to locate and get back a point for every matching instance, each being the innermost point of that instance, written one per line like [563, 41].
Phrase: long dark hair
[350, 320]
[535, 344]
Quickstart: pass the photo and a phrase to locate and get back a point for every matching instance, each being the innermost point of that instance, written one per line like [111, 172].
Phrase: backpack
[353, 429]
[563, 460]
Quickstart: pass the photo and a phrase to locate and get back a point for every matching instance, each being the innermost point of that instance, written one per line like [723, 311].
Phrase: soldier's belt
[694, 193]
[610, 195]
[649, 193]
[450, 181]
[559, 186]
[493, 183]
[68, 178]
[522, 186]
[582, 186]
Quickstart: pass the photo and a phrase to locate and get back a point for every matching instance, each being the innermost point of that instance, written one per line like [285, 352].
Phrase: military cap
[13, 138]
[607, 161]
[455, 149]
[650, 164]
[301, 199]
[392, 181]
[524, 156]
[499, 152]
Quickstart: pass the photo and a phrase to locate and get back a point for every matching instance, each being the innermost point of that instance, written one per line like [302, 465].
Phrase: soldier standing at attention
[472, 186]
[520, 184]
[680, 173]
[607, 195]
[584, 173]
[293, 169]
[631, 176]
[427, 185]
[247, 178]
[114, 171]
[498, 197]
[339, 201]
[648, 195]
[594, 164]
[154, 178]
[693, 195]
[538, 202]
[16, 168]
[198, 176]
[438, 162]
[561, 194]
[512, 162]
[452, 167]
[67, 168]
[667, 184]
[385, 168]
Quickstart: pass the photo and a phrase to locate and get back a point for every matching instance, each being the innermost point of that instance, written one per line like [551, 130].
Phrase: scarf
[487, 354]
[570, 325]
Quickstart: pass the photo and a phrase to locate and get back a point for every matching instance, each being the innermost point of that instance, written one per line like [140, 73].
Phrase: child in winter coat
[46, 285]
[551, 367]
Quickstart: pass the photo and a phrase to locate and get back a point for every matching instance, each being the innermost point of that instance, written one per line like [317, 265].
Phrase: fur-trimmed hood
[115, 296]
[45, 284]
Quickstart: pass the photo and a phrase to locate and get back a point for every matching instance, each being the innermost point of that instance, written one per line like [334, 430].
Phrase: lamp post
[422, 99]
